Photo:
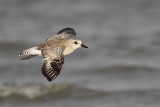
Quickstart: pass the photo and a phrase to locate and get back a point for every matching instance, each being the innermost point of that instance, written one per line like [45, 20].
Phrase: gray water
[119, 69]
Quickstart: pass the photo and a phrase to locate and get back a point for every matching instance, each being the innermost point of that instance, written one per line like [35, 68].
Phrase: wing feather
[52, 62]
[52, 67]
[65, 33]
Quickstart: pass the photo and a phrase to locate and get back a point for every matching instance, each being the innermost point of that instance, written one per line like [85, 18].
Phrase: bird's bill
[84, 46]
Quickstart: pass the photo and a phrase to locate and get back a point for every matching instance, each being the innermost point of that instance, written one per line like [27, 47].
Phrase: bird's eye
[75, 42]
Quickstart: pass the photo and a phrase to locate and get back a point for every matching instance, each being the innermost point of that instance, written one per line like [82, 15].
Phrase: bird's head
[77, 43]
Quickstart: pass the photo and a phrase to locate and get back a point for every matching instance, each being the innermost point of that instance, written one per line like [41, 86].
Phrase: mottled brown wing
[52, 62]
[65, 33]
[52, 67]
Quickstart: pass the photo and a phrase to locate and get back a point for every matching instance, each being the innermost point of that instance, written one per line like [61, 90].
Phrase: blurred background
[119, 69]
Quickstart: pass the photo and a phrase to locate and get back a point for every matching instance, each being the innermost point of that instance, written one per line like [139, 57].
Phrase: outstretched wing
[52, 67]
[52, 62]
[65, 33]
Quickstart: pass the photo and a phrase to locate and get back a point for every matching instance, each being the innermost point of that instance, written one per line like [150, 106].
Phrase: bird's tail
[27, 57]
[31, 52]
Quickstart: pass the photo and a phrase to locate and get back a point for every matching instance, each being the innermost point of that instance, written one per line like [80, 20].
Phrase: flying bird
[53, 51]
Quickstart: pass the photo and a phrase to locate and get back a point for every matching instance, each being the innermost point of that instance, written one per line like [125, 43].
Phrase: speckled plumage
[53, 50]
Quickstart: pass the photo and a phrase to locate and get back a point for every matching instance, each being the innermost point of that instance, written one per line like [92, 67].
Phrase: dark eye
[75, 42]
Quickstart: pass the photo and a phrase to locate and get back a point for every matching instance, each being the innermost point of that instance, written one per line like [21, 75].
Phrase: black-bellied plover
[53, 50]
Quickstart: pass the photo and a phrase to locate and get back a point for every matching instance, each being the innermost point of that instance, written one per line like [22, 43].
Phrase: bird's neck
[68, 50]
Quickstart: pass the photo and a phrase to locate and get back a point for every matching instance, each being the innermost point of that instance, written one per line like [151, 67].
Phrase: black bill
[84, 46]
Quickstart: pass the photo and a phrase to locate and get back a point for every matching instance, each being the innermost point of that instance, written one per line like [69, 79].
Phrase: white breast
[67, 51]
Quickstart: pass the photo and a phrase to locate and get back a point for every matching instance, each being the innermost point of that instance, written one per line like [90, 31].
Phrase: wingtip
[49, 79]
[67, 30]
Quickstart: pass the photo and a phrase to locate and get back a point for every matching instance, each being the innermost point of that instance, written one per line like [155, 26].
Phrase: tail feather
[30, 51]
[27, 57]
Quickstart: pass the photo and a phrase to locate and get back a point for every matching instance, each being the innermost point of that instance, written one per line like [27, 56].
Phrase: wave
[34, 92]
[39, 91]
[30, 91]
